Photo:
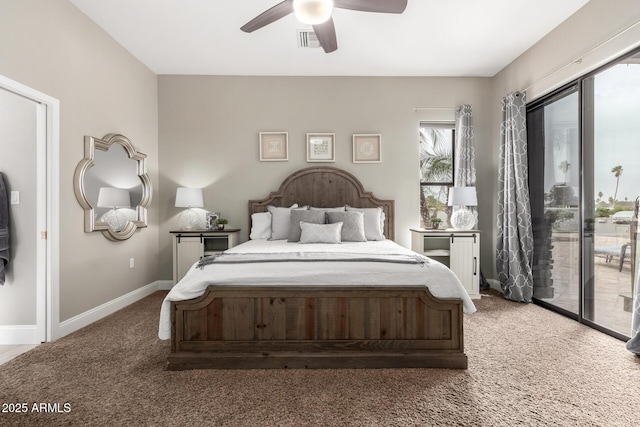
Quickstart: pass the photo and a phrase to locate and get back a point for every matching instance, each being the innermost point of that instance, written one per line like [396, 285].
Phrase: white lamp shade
[312, 12]
[463, 196]
[189, 198]
[110, 197]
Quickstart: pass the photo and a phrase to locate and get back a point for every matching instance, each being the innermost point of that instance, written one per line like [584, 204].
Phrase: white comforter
[439, 279]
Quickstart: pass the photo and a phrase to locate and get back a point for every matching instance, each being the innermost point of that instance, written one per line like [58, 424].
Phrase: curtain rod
[433, 108]
[579, 59]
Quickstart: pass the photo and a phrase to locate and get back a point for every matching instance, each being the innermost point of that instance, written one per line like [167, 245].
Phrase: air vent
[307, 39]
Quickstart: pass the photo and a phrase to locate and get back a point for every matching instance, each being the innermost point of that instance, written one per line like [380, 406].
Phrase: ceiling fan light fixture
[312, 12]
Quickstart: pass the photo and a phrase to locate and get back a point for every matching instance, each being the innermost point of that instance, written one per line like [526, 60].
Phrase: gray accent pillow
[281, 221]
[320, 233]
[352, 225]
[372, 222]
[315, 217]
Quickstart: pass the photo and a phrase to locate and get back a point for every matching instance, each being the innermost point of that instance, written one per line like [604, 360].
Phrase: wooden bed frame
[384, 326]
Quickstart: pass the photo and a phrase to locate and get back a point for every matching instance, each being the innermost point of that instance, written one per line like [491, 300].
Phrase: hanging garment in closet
[4, 230]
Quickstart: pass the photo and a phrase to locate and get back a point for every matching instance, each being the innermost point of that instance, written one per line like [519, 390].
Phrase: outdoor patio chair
[622, 252]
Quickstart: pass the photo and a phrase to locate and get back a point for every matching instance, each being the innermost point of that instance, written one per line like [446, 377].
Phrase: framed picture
[367, 148]
[274, 146]
[211, 220]
[321, 147]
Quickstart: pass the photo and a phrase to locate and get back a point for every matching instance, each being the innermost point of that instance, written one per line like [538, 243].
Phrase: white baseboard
[19, 334]
[90, 316]
[164, 285]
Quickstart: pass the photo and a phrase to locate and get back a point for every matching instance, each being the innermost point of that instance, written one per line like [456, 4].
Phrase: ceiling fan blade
[381, 6]
[326, 33]
[278, 11]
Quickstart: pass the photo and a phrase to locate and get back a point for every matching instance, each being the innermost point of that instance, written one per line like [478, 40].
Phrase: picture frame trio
[274, 147]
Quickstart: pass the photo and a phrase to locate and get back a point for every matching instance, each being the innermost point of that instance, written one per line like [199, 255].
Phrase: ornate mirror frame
[90, 223]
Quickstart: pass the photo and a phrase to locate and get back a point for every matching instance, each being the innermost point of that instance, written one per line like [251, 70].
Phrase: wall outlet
[132, 263]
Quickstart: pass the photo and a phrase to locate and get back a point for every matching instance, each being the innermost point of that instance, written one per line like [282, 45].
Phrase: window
[436, 171]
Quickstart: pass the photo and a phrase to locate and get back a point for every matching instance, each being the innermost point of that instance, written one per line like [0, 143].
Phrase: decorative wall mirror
[112, 185]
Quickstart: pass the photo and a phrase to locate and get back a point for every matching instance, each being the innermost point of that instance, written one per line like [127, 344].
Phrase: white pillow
[320, 233]
[373, 221]
[260, 226]
[281, 221]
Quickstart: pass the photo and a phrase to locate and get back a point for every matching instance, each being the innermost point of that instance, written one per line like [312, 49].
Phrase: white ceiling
[431, 38]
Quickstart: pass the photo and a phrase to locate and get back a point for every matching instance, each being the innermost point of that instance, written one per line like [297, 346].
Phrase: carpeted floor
[527, 366]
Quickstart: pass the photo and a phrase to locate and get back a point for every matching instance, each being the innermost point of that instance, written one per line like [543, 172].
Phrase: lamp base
[116, 220]
[463, 219]
[189, 220]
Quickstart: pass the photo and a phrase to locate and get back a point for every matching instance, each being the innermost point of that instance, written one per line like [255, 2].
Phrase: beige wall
[17, 162]
[50, 46]
[209, 129]
[537, 69]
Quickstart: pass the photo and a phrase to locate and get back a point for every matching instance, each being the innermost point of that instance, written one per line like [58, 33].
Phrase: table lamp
[114, 198]
[463, 218]
[189, 198]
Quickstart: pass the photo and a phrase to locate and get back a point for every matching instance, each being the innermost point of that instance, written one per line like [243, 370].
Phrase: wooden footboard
[316, 327]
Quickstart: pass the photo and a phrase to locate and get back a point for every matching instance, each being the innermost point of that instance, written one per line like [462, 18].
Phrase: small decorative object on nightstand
[191, 245]
[220, 222]
[462, 218]
[435, 223]
[212, 217]
[457, 249]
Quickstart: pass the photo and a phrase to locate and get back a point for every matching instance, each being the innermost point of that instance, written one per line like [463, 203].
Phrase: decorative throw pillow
[352, 225]
[315, 217]
[320, 233]
[260, 226]
[281, 221]
[372, 222]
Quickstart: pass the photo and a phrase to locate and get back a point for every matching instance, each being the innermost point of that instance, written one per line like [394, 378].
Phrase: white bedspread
[439, 279]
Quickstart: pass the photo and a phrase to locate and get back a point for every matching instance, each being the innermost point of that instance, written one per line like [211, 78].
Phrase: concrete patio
[611, 285]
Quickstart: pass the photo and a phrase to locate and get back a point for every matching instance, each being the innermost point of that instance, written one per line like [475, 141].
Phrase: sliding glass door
[554, 152]
[611, 116]
[584, 164]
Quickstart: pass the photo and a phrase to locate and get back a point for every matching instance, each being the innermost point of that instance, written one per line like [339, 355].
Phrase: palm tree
[435, 155]
[617, 171]
[436, 165]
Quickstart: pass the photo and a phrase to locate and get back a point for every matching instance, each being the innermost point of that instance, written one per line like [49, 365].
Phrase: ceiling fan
[317, 13]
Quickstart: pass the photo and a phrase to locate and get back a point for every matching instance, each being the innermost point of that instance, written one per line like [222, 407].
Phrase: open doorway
[29, 144]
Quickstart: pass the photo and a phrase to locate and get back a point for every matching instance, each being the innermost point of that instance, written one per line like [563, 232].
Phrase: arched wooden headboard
[325, 187]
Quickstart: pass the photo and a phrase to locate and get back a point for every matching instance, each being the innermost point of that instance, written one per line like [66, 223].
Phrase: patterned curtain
[465, 154]
[515, 239]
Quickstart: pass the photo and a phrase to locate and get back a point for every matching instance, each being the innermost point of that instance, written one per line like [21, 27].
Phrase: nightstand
[191, 245]
[457, 249]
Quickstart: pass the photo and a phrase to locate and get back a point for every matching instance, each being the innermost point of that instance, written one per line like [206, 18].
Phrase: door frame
[48, 202]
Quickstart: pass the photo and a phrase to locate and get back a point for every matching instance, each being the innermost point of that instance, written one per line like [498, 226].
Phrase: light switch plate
[15, 197]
